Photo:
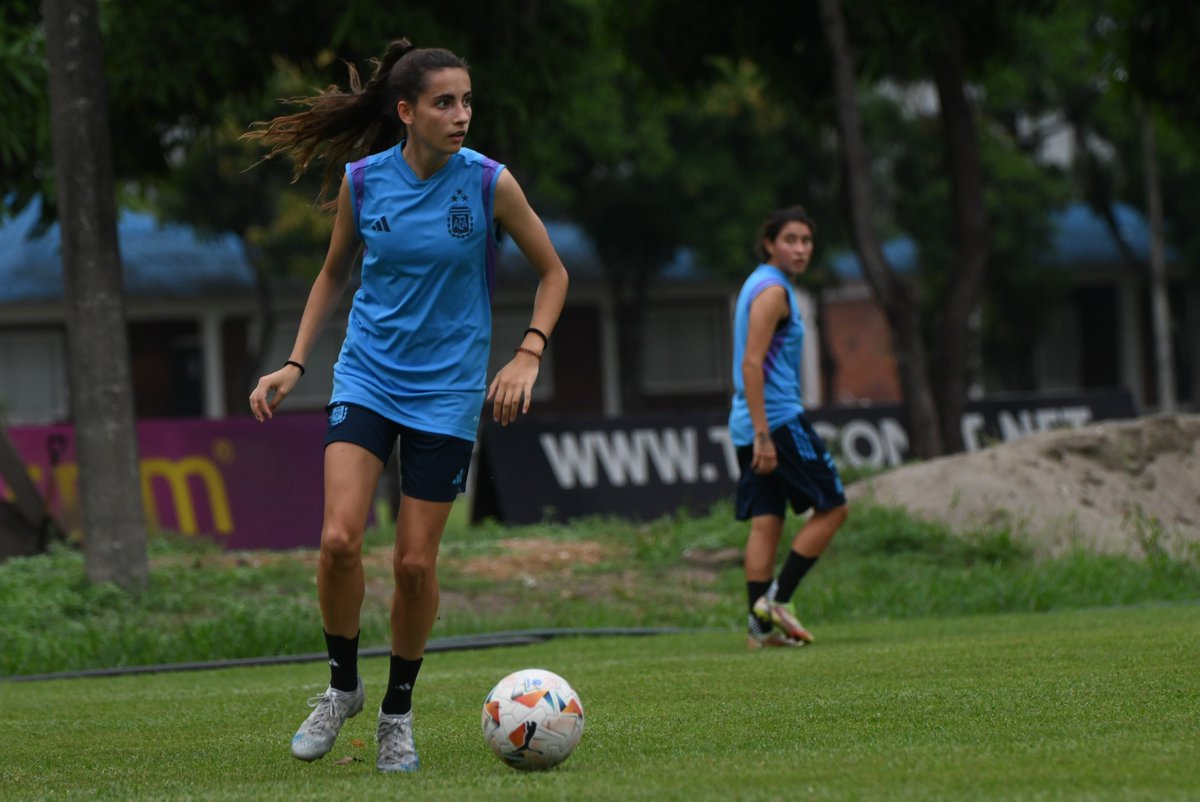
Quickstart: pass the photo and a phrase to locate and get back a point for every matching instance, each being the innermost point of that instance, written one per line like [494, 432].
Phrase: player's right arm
[327, 291]
[766, 311]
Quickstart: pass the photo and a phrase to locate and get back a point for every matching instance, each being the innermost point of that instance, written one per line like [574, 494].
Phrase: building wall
[860, 345]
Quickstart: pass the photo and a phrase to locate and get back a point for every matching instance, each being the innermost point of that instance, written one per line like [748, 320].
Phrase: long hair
[771, 227]
[340, 126]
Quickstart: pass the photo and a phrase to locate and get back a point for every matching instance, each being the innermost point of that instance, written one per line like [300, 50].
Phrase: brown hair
[341, 126]
[771, 227]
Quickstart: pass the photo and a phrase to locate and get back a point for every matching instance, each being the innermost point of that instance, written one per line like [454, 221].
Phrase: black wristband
[540, 333]
[295, 364]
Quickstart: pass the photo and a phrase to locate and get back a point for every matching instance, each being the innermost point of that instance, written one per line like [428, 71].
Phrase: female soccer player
[782, 459]
[427, 212]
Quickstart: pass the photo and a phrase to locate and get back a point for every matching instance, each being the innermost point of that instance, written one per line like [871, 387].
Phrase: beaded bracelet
[520, 349]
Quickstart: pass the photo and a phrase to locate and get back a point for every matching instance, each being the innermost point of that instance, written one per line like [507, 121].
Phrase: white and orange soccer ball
[532, 719]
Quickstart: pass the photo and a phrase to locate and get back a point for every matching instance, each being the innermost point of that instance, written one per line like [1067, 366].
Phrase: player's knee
[341, 549]
[412, 574]
[836, 516]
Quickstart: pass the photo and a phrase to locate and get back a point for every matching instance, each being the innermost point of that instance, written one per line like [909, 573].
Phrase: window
[33, 376]
[1058, 354]
[686, 350]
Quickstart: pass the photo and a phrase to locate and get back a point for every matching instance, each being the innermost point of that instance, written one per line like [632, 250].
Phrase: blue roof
[900, 252]
[173, 260]
[578, 253]
[1080, 239]
[572, 245]
[159, 260]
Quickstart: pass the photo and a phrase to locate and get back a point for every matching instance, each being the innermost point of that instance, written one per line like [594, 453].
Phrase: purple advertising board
[243, 484]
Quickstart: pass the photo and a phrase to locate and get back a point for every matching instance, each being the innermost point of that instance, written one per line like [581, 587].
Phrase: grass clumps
[679, 571]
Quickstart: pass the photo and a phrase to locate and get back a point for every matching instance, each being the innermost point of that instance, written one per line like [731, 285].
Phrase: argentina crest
[459, 221]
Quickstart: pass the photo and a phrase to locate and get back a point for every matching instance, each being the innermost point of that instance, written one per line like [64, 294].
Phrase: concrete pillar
[810, 360]
[610, 358]
[213, 359]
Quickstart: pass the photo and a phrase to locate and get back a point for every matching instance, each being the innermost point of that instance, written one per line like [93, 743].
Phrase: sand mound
[1110, 486]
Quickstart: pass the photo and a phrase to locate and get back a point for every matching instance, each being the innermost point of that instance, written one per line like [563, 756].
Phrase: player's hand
[512, 389]
[271, 390]
[765, 459]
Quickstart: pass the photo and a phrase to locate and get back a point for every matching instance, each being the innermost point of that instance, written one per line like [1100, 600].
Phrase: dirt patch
[1116, 487]
[534, 556]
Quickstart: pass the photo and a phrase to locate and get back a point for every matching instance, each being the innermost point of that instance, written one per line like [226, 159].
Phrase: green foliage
[655, 129]
[170, 67]
[221, 182]
[196, 605]
[744, 151]
[25, 134]
[708, 139]
[682, 570]
[1155, 43]
[930, 709]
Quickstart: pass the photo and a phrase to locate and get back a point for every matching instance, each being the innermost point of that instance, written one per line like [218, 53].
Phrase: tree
[1164, 367]
[166, 65]
[972, 239]
[1132, 112]
[101, 383]
[163, 74]
[895, 293]
[677, 144]
[213, 188]
[934, 42]
[1155, 43]
[931, 337]
[25, 135]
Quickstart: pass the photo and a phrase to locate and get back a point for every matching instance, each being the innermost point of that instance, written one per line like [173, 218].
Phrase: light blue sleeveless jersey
[420, 328]
[781, 367]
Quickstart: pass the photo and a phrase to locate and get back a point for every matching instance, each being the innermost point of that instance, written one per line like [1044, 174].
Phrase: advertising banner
[243, 484]
[644, 466]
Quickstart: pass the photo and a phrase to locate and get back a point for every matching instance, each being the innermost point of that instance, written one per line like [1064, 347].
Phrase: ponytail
[340, 126]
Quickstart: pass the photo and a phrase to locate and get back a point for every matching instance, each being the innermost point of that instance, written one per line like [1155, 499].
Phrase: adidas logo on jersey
[381, 225]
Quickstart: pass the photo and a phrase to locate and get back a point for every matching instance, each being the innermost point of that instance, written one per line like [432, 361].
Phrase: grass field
[1094, 704]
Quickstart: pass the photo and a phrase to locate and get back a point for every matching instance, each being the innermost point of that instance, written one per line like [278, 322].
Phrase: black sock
[401, 678]
[794, 569]
[753, 591]
[343, 662]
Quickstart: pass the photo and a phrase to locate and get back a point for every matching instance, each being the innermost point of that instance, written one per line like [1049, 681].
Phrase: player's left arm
[512, 388]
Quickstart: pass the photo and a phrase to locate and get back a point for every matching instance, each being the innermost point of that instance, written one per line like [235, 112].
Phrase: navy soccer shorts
[433, 467]
[805, 475]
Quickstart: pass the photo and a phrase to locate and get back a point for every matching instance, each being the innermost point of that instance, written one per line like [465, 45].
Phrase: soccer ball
[532, 719]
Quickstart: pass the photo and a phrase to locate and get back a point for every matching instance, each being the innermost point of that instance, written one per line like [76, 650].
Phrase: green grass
[204, 604]
[1097, 704]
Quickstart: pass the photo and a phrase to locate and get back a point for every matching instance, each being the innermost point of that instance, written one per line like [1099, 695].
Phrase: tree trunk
[896, 295]
[101, 385]
[1160, 309]
[628, 292]
[952, 336]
